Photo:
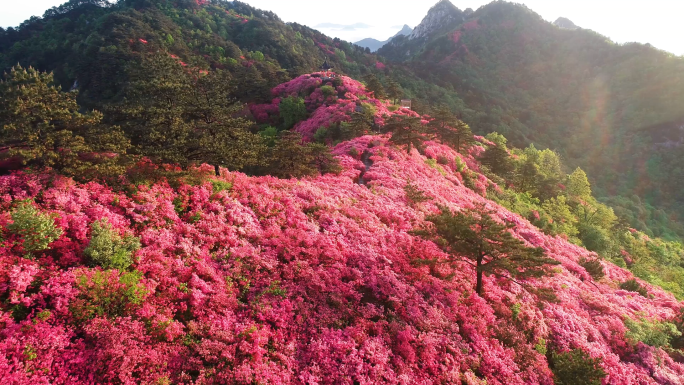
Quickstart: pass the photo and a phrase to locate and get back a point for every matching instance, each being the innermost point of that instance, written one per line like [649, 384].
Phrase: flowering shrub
[247, 280]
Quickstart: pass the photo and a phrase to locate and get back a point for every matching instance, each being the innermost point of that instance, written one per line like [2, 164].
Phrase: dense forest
[614, 110]
[186, 198]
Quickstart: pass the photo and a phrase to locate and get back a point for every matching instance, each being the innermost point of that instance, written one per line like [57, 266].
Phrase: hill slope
[238, 279]
[612, 109]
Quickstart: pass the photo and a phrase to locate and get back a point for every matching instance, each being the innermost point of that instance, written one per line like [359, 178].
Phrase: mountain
[239, 279]
[228, 215]
[441, 16]
[574, 91]
[374, 44]
[93, 45]
[565, 23]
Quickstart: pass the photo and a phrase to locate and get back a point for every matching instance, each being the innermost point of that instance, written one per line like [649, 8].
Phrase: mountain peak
[405, 30]
[440, 15]
[565, 23]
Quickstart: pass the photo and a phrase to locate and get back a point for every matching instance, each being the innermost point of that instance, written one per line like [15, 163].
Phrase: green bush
[593, 267]
[576, 367]
[652, 333]
[292, 111]
[633, 285]
[107, 294]
[37, 230]
[108, 249]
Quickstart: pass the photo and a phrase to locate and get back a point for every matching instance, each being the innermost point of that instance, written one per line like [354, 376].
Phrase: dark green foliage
[449, 129]
[496, 157]
[292, 111]
[576, 367]
[475, 235]
[394, 91]
[593, 267]
[414, 194]
[41, 126]
[291, 158]
[406, 131]
[177, 117]
[633, 285]
[373, 85]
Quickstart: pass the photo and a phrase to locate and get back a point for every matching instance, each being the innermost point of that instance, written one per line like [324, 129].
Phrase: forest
[186, 198]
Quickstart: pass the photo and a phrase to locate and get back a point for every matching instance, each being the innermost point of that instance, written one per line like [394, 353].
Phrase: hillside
[198, 278]
[209, 209]
[613, 110]
[93, 48]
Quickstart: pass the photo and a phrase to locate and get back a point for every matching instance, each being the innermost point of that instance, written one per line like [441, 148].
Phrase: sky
[657, 22]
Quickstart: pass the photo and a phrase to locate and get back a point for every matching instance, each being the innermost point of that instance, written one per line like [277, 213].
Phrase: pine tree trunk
[478, 288]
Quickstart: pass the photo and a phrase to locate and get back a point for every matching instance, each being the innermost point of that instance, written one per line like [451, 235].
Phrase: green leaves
[41, 126]
[473, 234]
[576, 367]
[108, 249]
[178, 117]
[406, 131]
[292, 111]
[36, 229]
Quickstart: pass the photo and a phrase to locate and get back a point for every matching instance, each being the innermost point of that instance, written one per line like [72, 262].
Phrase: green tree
[177, 117]
[292, 111]
[449, 129]
[373, 85]
[563, 220]
[36, 229]
[42, 127]
[496, 157]
[406, 131]
[394, 91]
[489, 244]
[578, 187]
[291, 158]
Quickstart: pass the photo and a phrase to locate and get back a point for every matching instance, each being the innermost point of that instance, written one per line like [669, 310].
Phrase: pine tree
[406, 131]
[42, 127]
[496, 157]
[373, 85]
[291, 158]
[489, 244]
[450, 130]
[178, 117]
[394, 91]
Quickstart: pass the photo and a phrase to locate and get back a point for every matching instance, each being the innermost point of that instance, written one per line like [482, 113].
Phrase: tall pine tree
[487, 244]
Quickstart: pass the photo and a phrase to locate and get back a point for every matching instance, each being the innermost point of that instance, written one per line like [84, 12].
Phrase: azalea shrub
[243, 280]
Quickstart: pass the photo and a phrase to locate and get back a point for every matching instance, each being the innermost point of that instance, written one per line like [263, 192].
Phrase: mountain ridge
[374, 44]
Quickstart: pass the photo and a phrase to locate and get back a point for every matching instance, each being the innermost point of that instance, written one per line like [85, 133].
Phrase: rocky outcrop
[440, 16]
[565, 23]
[374, 44]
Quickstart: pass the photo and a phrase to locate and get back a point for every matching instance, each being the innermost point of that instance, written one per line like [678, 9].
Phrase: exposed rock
[374, 44]
[440, 16]
[565, 23]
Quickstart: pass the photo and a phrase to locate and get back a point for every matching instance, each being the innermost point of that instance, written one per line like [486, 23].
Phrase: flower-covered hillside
[316, 281]
[328, 100]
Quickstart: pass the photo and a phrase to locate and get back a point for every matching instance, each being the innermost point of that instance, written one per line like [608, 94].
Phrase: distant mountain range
[374, 44]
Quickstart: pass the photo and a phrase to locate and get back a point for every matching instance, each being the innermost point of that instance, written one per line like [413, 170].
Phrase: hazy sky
[658, 22]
